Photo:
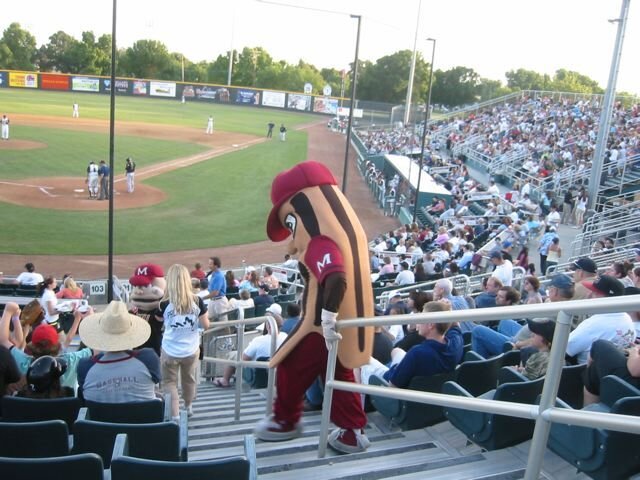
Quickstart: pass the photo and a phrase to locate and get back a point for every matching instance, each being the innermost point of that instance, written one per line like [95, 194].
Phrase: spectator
[554, 253]
[542, 331]
[117, 374]
[251, 281]
[182, 313]
[293, 317]
[523, 258]
[387, 267]
[606, 358]
[420, 275]
[487, 299]
[245, 300]
[584, 270]
[616, 327]
[217, 296]
[488, 342]
[543, 247]
[532, 290]
[269, 279]
[232, 281]
[263, 297]
[9, 372]
[503, 269]
[43, 379]
[621, 270]
[440, 351]
[259, 347]
[30, 277]
[70, 289]
[48, 301]
[405, 276]
[198, 272]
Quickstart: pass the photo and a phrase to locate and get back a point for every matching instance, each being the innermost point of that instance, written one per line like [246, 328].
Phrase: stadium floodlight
[354, 76]
[427, 115]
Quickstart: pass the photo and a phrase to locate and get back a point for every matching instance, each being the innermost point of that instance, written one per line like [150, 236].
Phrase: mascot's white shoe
[271, 430]
[348, 441]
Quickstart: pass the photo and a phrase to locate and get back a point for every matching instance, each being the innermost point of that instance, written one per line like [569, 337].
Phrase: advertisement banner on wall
[273, 99]
[23, 80]
[218, 94]
[139, 87]
[122, 86]
[344, 112]
[4, 79]
[51, 81]
[325, 105]
[250, 97]
[188, 91]
[162, 89]
[85, 84]
[296, 101]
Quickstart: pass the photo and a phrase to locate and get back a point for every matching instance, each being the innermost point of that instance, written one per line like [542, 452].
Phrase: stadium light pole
[427, 115]
[112, 117]
[597, 164]
[412, 69]
[354, 80]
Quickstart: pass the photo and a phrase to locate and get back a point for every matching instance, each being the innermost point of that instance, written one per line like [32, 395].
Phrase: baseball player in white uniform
[76, 110]
[5, 127]
[210, 125]
[130, 169]
[92, 179]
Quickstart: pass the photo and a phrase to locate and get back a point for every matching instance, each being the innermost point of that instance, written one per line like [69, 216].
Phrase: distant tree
[17, 49]
[217, 70]
[569, 81]
[334, 78]
[388, 78]
[488, 89]
[57, 55]
[522, 79]
[456, 86]
[148, 59]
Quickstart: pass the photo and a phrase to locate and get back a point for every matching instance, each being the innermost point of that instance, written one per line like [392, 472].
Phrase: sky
[489, 36]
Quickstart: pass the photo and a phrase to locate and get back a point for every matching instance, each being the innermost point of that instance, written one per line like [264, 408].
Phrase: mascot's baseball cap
[145, 274]
[286, 184]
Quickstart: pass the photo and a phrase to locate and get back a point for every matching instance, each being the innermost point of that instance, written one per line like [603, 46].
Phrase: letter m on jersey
[326, 260]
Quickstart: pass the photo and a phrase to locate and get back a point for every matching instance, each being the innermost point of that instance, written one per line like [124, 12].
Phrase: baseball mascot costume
[148, 286]
[333, 261]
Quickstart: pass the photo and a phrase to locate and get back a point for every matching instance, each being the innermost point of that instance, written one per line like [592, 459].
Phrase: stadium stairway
[440, 451]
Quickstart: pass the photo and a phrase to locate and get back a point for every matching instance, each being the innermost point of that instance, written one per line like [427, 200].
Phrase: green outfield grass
[221, 201]
[68, 152]
[231, 118]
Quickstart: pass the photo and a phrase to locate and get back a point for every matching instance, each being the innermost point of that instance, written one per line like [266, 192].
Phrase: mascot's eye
[290, 222]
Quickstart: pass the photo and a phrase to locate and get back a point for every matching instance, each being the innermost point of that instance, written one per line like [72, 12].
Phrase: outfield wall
[177, 91]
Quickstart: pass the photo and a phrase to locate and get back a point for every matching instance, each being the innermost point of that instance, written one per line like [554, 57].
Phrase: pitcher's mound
[71, 193]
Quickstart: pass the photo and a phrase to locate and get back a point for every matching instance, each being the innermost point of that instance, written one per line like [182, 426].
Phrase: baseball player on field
[210, 125]
[130, 169]
[76, 110]
[92, 180]
[5, 127]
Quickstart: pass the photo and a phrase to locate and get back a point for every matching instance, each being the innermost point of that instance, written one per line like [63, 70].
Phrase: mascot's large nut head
[148, 286]
[288, 183]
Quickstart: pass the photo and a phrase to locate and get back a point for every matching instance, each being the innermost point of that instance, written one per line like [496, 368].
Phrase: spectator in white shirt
[406, 276]
[503, 270]
[30, 277]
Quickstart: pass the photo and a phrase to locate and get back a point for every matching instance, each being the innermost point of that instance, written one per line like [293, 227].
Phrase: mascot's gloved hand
[329, 326]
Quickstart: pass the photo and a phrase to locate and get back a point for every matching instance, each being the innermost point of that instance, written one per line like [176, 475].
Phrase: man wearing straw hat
[119, 373]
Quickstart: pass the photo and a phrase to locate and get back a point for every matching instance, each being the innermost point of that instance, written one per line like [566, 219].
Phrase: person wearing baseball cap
[616, 327]
[584, 270]
[44, 341]
[118, 373]
[535, 365]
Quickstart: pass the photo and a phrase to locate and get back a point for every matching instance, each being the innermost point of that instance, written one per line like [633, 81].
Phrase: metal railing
[239, 363]
[543, 414]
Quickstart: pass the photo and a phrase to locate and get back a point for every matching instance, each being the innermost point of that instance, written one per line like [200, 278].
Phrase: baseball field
[192, 190]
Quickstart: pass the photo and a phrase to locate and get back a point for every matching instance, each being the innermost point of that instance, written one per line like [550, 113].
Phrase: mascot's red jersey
[331, 244]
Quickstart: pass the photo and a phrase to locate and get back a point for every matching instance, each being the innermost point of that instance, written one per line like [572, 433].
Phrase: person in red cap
[148, 287]
[44, 341]
[331, 245]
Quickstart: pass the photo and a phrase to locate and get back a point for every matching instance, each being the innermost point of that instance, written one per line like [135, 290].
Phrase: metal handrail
[239, 363]
[543, 414]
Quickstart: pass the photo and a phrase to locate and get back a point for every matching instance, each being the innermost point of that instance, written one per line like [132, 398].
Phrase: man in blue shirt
[104, 175]
[440, 352]
[218, 302]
